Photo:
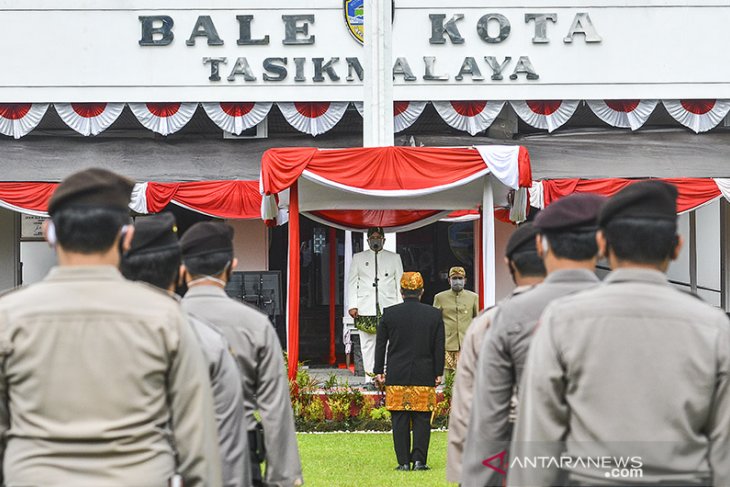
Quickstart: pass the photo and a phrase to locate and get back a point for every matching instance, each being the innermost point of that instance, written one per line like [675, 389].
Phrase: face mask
[457, 285]
[376, 244]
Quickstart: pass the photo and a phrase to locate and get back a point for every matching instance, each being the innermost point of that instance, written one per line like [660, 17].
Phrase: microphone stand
[375, 284]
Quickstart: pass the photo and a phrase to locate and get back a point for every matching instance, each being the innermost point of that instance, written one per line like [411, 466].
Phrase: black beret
[207, 238]
[93, 188]
[522, 240]
[379, 230]
[154, 233]
[575, 212]
[646, 199]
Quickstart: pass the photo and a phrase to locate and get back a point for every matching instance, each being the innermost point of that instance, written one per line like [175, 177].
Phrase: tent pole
[333, 282]
[479, 257]
[292, 301]
[488, 253]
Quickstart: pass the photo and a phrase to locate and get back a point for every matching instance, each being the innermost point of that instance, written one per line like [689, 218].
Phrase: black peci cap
[522, 240]
[207, 238]
[93, 187]
[575, 212]
[646, 199]
[154, 233]
[379, 230]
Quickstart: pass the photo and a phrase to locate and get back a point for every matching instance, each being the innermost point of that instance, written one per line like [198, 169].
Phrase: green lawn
[365, 460]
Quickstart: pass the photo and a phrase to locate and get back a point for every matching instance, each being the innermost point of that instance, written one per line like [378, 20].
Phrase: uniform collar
[636, 274]
[205, 290]
[571, 275]
[84, 273]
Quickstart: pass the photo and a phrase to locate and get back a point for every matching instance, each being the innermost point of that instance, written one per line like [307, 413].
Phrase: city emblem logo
[354, 17]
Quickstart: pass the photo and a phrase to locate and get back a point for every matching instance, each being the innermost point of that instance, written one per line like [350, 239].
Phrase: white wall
[37, 258]
[250, 244]
[8, 248]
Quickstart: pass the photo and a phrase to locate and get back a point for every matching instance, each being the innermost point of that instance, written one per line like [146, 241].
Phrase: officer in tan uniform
[567, 243]
[459, 306]
[102, 380]
[527, 270]
[208, 260]
[155, 258]
[634, 370]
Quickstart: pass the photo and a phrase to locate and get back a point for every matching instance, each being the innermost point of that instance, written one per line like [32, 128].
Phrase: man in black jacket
[414, 336]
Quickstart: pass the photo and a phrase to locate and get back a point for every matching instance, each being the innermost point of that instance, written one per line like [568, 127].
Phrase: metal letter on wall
[430, 75]
[438, 29]
[149, 30]
[540, 36]
[497, 68]
[244, 32]
[327, 67]
[402, 67]
[483, 28]
[292, 29]
[353, 64]
[276, 66]
[204, 27]
[242, 67]
[582, 25]
[299, 69]
[214, 66]
[469, 66]
[524, 66]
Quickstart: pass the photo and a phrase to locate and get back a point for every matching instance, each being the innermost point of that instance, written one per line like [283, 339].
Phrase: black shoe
[420, 466]
[403, 468]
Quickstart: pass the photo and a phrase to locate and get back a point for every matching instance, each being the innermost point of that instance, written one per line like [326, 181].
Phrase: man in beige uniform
[154, 257]
[567, 243]
[527, 270]
[458, 306]
[102, 380]
[634, 371]
[208, 262]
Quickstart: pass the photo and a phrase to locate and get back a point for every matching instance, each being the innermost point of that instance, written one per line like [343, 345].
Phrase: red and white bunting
[18, 119]
[237, 117]
[469, 116]
[698, 115]
[405, 113]
[164, 118]
[545, 114]
[313, 118]
[623, 113]
[89, 118]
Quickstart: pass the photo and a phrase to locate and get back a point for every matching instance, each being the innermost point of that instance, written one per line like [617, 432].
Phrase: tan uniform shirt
[265, 386]
[458, 310]
[230, 414]
[462, 394]
[501, 361]
[633, 368]
[99, 377]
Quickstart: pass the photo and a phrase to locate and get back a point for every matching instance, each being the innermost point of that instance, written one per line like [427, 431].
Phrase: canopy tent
[331, 183]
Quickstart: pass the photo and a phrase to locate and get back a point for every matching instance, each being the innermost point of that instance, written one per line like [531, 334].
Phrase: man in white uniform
[373, 285]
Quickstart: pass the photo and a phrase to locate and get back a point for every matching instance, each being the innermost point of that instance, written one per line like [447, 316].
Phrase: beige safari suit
[633, 367]
[462, 394]
[99, 376]
[458, 309]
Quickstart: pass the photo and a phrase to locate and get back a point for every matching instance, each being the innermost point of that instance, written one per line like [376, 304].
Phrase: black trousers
[403, 423]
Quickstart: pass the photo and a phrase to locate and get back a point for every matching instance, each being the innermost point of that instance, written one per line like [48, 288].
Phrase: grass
[365, 460]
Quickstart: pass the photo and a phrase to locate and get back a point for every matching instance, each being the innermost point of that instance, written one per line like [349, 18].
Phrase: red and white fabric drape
[698, 115]
[545, 114]
[89, 118]
[18, 119]
[313, 118]
[237, 117]
[469, 116]
[692, 192]
[164, 118]
[623, 113]
[405, 113]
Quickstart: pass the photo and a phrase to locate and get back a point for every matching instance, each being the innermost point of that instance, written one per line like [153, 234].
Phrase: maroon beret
[578, 211]
[522, 240]
[207, 238]
[646, 199]
[93, 187]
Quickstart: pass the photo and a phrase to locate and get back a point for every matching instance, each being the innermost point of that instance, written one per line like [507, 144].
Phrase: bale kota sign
[290, 50]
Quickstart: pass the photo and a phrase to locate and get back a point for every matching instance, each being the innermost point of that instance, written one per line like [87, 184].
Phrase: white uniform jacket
[360, 289]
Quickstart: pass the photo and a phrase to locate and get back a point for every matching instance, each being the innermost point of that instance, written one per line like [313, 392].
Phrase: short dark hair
[159, 268]
[573, 245]
[528, 263]
[88, 230]
[411, 293]
[210, 264]
[641, 240]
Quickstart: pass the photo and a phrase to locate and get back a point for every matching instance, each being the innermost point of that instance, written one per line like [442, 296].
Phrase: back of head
[521, 252]
[207, 248]
[88, 209]
[640, 222]
[154, 256]
[569, 225]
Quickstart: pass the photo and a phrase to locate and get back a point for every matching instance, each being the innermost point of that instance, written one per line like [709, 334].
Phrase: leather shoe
[420, 466]
[403, 468]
